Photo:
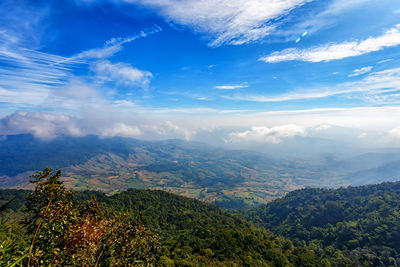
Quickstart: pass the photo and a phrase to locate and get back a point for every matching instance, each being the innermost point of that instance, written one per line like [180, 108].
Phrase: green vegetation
[354, 225]
[12, 250]
[65, 232]
[65, 228]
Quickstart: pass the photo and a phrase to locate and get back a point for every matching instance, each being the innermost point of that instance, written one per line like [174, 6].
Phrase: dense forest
[358, 224]
[354, 226]
[132, 228]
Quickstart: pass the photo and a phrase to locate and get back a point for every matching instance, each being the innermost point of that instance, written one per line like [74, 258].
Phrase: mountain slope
[362, 223]
[389, 172]
[194, 233]
[230, 178]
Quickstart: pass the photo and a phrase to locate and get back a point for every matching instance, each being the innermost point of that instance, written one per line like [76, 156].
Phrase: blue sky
[273, 69]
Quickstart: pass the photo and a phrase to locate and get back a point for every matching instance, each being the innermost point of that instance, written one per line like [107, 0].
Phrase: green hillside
[358, 223]
[191, 233]
[354, 226]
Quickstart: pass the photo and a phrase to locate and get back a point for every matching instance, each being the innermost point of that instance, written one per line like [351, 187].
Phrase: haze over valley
[230, 178]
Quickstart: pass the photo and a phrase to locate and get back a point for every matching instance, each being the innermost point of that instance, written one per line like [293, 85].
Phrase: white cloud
[361, 71]
[312, 22]
[163, 124]
[146, 130]
[323, 127]
[310, 94]
[29, 77]
[114, 45]
[78, 90]
[170, 129]
[384, 61]
[374, 86]
[230, 87]
[274, 135]
[367, 118]
[121, 129]
[225, 21]
[22, 22]
[100, 53]
[337, 51]
[121, 73]
[394, 133]
[363, 135]
[41, 125]
[125, 104]
[23, 97]
[32, 72]
[111, 121]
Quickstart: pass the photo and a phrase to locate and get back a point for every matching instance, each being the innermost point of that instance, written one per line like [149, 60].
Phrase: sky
[254, 71]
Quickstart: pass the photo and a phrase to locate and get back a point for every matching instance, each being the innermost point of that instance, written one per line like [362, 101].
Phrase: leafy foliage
[68, 232]
[194, 232]
[358, 225]
[12, 251]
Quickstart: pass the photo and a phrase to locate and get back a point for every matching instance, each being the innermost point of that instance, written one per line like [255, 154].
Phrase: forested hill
[361, 223]
[354, 226]
[194, 233]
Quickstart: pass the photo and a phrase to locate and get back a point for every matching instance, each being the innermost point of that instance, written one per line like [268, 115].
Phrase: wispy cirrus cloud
[114, 45]
[384, 61]
[361, 71]
[230, 87]
[121, 73]
[26, 75]
[381, 85]
[24, 97]
[336, 51]
[29, 77]
[225, 21]
[315, 21]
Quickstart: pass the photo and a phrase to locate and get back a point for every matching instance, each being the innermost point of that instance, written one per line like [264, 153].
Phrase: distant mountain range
[228, 178]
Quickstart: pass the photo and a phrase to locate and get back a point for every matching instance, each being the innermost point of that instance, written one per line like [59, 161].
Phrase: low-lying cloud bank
[41, 125]
[274, 135]
[48, 125]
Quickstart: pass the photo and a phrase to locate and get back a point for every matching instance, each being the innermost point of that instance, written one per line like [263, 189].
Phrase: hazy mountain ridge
[230, 178]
